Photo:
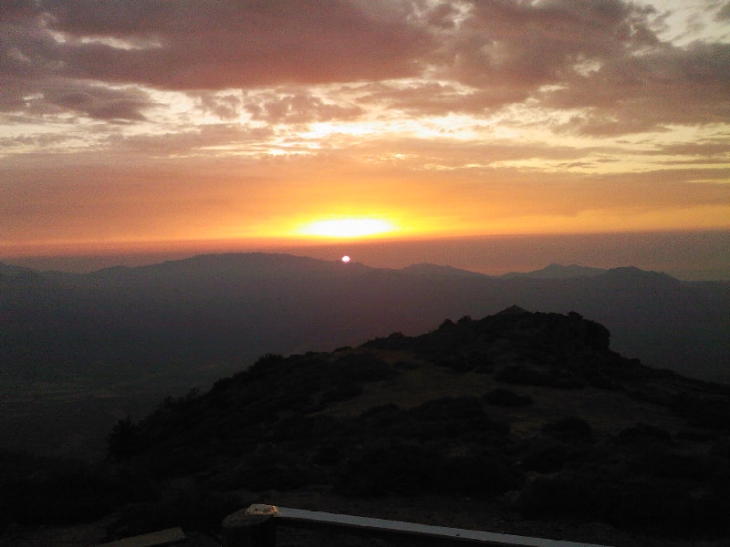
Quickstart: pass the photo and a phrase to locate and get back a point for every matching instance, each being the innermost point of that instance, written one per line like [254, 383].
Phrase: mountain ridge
[428, 268]
[558, 271]
[354, 300]
[247, 259]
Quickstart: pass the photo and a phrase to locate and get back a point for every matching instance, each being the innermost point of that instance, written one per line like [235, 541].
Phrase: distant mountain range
[556, 271]
[180, 321]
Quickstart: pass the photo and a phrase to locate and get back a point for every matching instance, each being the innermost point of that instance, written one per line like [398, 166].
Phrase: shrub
[382, 416]
[382, 469]
[125, 439]
[721, 448]
[560, 495]
[523, 375]
[483, 475]
[327, 455]
[192, 509]
[258, 369]
[546, 457]
[644, 433]
[507, 398]
[661, 463]
[706, 413]
[362, 367]
[600, 381]
[406, 365]
[570, 429]
[447, 420]
[668, 508]
[407, 469]
[341, 393]
[270, 468]
[568, 383]
[446, 325]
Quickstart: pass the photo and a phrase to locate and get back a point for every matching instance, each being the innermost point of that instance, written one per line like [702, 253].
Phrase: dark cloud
[602, 56]
[440, 98]
[536, 43]
[724, 13]
[226, 107]
[665, 86]
[36, 98]
[718, 150]
[43, 141]
[12, 11]
[296, 108]
[194, 142]
[13, 93]
[101, 103]
[474, 156]
[212, 44]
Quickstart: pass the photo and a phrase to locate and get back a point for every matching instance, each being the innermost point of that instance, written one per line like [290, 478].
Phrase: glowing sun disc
[345, 259]
[350, 227]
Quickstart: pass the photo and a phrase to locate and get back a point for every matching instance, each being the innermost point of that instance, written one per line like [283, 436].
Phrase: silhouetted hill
[232, 268]
[13, 271]
[532, 412]
[630, 274]
[435, 270]
[556, 271]
[532, 416]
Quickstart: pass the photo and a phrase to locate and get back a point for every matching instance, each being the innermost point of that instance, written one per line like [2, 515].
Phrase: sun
[347, 227]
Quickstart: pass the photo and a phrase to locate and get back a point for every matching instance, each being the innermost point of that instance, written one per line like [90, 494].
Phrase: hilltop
[520, 422]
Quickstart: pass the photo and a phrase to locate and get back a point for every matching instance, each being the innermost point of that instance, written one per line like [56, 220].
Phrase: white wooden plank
[365, 524]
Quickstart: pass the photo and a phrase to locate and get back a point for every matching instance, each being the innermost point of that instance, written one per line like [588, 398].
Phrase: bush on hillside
[191, 508]
[643, 433]
[523, 375]
[570, 429]
[362, 367]
[408, 469]
[387, 468]
[507, 398]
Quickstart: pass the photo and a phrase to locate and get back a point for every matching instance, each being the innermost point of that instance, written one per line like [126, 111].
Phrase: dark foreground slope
[519, 422]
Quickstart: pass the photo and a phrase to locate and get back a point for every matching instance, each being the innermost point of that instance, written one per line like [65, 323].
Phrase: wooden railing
[256, 527]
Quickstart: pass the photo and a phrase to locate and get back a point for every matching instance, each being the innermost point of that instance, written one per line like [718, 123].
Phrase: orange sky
[156, 122]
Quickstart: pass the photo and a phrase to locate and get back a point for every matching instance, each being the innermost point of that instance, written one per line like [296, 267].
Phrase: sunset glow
[347, 228]
[217, 120]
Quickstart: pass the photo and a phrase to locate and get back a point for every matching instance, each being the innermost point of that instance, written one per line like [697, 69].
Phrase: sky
[156, 124]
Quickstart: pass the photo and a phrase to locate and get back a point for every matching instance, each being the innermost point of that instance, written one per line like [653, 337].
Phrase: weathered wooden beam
[243, 529]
